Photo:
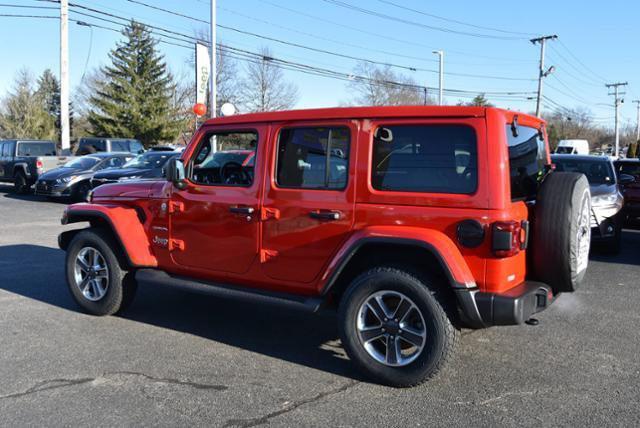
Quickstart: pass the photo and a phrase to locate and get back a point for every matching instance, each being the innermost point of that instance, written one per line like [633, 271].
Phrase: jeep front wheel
[95, 276]
[395, 326]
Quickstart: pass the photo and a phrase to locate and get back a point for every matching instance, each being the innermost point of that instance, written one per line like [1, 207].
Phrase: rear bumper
[515, 306]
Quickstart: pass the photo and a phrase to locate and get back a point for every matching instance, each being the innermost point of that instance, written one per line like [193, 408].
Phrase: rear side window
[96, 145]
[36, 149]
[136, 147]
[313, 158]
[527, 160]
[8, 149]
[425, 158]
[119, 146]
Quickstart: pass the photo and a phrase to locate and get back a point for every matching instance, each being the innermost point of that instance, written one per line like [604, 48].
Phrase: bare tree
[380, 85]
[264, 87]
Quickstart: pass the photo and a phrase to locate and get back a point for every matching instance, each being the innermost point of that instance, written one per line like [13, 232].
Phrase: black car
[73, 179]
[149, 165]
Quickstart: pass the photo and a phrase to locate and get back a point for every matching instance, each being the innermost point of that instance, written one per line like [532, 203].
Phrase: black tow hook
[532, 321]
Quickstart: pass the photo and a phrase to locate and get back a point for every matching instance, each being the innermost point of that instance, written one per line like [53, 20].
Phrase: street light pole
[441, 73]
[213, 86]
[65, 134]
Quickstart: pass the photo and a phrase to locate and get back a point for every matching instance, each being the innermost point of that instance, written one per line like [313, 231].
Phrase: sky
[486, 44]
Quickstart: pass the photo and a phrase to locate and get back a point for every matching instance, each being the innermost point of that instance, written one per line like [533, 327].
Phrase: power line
[28, 6]
[327, 52]
[13, 15]
[417, 24]
[431, 15]
[582, 63]
[388, 37]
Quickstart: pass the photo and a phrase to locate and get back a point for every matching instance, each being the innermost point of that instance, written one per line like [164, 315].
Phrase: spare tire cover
[561, 235]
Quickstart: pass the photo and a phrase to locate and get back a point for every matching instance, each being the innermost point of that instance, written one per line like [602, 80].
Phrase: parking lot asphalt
[177, 358]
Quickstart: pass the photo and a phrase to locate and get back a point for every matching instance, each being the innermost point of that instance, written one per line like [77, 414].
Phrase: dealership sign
[203, 70]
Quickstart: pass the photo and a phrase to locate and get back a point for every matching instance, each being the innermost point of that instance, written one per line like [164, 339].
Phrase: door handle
[242, 210]
[325, 215]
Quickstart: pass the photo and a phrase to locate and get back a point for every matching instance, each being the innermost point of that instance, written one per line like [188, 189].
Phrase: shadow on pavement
[629, 254]
[37, 272]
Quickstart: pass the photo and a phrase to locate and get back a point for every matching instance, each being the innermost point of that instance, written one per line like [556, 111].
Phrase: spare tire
[561, 234]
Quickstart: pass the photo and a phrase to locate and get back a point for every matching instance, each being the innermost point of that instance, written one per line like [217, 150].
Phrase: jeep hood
[129, 190]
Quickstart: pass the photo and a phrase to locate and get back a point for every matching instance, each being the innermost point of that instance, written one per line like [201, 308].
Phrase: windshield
[598, 171]
[149, 161]
[222, 158]
[82, 163]
[565, 150]
[37, 149]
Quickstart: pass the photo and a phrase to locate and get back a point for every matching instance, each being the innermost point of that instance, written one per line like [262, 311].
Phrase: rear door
[309, 198]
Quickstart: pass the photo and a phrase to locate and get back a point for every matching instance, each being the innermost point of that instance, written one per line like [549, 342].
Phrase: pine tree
[135, 99]
[49, 92]
[23, 114]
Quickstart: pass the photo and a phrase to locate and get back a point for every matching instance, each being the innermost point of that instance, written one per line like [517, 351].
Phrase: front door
[309, 199]
[215, 220]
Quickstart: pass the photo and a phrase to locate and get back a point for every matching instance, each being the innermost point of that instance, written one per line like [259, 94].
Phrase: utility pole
[213, 87]
[65, 143]
[637, 120]
[441, 73]
[618, 103]
[542, 73]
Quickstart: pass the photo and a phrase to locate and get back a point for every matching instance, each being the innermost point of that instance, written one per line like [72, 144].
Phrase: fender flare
[123, 223]
[21, 166]
[436, 242]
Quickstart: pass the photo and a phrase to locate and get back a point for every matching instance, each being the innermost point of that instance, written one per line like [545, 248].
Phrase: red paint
[280, 247]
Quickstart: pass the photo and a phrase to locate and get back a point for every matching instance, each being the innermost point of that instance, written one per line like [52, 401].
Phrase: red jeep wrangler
[412, 221]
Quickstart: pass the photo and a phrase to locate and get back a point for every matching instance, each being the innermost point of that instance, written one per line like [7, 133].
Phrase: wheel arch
[423, 249]
[121, 223]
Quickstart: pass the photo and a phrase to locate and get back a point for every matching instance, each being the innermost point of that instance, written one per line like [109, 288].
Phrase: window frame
[392, 123]
[350, 152]
[188, 165]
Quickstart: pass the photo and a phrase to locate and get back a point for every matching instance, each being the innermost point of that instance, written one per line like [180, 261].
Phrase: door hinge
[270, 213]
[175, 206]
[266, 255]
[176, 244]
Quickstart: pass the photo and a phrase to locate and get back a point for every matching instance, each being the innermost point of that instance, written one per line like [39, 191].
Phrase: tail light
[39, 164]
[509, 237]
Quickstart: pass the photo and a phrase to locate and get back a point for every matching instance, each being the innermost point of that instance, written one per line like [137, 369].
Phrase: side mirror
[175, 173]
[626, 179]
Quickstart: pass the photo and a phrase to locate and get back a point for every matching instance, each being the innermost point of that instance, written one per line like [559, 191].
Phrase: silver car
[606, 195]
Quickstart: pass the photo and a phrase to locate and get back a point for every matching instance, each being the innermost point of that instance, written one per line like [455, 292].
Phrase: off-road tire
[432, 302]
[121, 287]
[557, 258]
[20, 184]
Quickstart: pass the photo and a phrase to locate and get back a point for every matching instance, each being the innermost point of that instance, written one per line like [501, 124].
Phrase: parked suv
[411, 221]
[23, 161]
[91, 145]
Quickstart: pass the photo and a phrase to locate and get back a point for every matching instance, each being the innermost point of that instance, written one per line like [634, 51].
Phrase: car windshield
[84, 162]
[598, 171]
[222, 158]
[149, 161]
[632, 168]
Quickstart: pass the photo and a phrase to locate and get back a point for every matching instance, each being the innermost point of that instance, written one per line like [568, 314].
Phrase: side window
[136, 147]
[313, 158]
[119, 146]
[224, 158]
[8, 149]
[425, 158]
[527, 160]
[2, 150]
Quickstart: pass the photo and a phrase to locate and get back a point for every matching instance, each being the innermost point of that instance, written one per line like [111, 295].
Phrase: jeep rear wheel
[395, 327]
[95, 276]
[562, 231]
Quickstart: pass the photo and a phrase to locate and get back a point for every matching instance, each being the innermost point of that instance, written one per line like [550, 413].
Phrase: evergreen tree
[23, 114]
[49, 92]
[135, 99]
[480, 101]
